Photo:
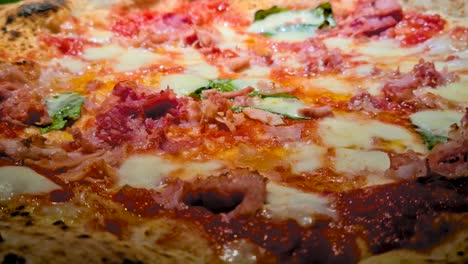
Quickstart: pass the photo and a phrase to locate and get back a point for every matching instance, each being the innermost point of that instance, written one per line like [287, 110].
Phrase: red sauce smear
[416, 28]
[67, 45]
[392, 216]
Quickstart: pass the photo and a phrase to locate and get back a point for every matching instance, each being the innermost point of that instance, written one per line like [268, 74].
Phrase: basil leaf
[431, 139]
[237, 109]
[311, 20]
[325, 10]
[263, 13]
[62, 109]
[220, 85]
[277, 95]
[8, 1]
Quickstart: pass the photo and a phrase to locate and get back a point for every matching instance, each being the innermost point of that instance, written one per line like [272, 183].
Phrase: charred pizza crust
[29, 235]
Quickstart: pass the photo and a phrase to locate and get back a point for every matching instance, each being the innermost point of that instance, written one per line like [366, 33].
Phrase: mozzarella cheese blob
[147, 171]
[437, 122]
[351, 131]
[182, 84]
[16, 180]
[285, 202]
[306, 157]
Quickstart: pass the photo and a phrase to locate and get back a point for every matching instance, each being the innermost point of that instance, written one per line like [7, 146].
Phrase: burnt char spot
[58, 222]
[84, 236]
[127, 261]
[13, 259]
[10, 19]
[30, 9]
[1, 239]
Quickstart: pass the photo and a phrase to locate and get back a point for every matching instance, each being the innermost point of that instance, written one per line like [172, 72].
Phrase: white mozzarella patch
[455, 92]
[254, 83]
[102, 53]
[144, 171]
[204, 70]
[305, 157]
[230, 38]
[332, 84]
[192, 170]
[71, 64]
[344, 44]
[286, 202]
[133, 59]
[284, 106]
[437, 122]
[182, 84]
[272, 22]
[147, 171]
[100, 36]
[188, 56]
[127, 59]
[352, 161]
[351, 131]
[291, 36]
[257, 71]
[16, 180]
[455, 64]
[385, 48]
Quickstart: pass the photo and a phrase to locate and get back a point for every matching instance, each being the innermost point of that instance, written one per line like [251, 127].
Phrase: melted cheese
[100, 36]
[437, 122]
[332, 84]
[147, 171]
[284, 106]
[71, 64]
[22, 180]
[144, 171]
[352, 161]
[455, 92]
[133, 59]
[102, 53]
[286, 202]
[271, 22]
[182, 84]
[351, 131]
[204, 70]
[230, 38]
[305, 157]
[291, 36]
[257, 71]
[127, 59]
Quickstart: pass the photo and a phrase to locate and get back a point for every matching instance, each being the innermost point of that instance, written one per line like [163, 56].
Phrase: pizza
[234, 131]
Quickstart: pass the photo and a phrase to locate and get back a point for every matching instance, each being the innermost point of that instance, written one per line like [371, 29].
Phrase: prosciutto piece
[371, 17]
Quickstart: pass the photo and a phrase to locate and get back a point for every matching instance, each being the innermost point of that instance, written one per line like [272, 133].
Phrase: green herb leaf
[430, 139]
[325, 11]
[62, 109]
[220, 85]
[318, 18]
[8, 1]
[284, 106]
[277, 95]
[237, 109]
[263, 13]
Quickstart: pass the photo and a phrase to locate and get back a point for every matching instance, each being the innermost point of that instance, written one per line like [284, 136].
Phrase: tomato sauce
[416, 28]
